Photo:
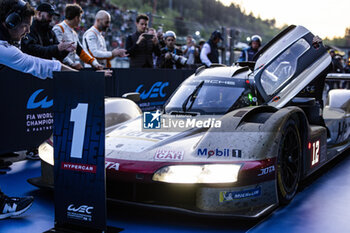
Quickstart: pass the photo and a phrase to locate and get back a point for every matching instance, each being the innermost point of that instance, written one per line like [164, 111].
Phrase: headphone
[14, 18]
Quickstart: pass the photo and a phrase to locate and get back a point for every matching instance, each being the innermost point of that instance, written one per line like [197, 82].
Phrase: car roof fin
[240, 70]
[201, 68]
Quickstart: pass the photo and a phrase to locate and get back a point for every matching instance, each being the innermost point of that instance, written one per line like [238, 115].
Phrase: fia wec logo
[34, 103]
[84, 209]
[156, 90]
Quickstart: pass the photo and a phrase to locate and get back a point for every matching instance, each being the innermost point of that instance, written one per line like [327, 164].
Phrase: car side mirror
[134, 96]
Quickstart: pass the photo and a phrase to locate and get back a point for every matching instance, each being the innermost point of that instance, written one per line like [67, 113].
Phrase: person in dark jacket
[209, 53]
[249, 53]
[140, 46]
[42, 41]
[171, 57]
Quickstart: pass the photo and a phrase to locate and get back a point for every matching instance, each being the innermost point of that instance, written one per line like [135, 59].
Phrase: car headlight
[190, 174]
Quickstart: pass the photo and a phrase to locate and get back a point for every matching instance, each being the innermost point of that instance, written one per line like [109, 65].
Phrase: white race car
[264, 129]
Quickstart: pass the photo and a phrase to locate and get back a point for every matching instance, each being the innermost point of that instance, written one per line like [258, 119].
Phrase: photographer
[190, 50]
[141, 45]
[171, 57]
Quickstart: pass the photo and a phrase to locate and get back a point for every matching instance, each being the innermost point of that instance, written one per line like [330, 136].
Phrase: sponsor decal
[315, 152]
[219, 152]
[112, 165]
[267, 170]
[83, 212]
[151, 120]
[230, 83]
[230, 196]
[157, 90]
[169, 155]
[78, 167]
[37, 122]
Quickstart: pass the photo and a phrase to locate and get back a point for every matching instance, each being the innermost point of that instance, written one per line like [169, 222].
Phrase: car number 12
[315, 152]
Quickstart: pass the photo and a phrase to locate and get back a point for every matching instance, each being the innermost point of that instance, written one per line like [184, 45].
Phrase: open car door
[287, 64]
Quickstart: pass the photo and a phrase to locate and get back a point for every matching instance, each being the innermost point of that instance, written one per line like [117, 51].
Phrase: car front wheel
[289, 162]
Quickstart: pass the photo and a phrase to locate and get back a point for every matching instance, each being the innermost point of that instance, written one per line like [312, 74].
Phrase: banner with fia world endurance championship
[79, 142]
[26, 119]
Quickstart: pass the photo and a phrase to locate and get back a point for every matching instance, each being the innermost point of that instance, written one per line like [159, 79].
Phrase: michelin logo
[230, 196]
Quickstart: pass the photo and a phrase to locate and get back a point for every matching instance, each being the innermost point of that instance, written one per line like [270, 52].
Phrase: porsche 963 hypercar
[230, 141]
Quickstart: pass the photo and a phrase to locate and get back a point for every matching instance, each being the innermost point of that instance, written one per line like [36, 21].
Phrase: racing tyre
[289, 162]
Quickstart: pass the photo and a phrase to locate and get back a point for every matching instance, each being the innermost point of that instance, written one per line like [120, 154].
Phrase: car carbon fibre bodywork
[272, 136]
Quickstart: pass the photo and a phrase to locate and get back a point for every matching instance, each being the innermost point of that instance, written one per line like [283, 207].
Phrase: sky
[325, 18]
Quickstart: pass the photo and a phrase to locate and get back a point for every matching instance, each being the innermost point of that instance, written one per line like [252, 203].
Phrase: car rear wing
[337, 76]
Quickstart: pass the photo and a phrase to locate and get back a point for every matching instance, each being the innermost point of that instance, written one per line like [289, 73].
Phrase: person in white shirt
[65, 32]
[209, 53]
[94, 41]
[11, 34]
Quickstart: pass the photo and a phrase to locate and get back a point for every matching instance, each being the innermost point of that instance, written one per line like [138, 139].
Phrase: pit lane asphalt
[322, 205]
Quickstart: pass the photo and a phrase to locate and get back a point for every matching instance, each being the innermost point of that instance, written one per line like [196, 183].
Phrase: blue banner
[79, 142]
[26, 102]
[154, 85]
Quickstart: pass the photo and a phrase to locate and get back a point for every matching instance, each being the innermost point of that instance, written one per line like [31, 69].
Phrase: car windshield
[203, 98]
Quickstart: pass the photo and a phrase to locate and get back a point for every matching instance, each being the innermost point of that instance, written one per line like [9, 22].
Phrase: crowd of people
[123, 24]
[150, 49]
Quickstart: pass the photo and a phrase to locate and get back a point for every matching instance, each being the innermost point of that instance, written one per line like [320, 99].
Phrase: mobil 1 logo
[219, 152]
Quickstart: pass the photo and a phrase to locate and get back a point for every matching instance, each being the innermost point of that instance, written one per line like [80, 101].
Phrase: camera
[148, 36]
[177, 58]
